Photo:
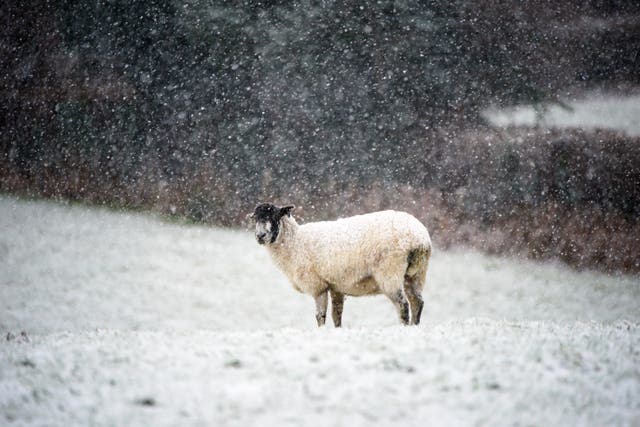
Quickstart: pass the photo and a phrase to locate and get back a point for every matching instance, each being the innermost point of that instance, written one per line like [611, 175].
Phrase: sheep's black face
[267, 217]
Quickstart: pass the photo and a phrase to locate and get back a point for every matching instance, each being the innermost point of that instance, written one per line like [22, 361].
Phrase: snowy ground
[131, 320]
[593, 111]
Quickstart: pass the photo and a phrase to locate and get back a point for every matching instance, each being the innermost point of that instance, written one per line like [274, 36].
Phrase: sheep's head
[267, 217]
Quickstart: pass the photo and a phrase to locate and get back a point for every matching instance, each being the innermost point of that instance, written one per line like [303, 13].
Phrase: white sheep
[377, 253]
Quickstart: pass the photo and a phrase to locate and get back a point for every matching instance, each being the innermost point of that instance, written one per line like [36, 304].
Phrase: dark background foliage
[201, 109]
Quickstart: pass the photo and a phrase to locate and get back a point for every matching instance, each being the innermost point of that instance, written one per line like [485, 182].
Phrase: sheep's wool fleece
[349, 250]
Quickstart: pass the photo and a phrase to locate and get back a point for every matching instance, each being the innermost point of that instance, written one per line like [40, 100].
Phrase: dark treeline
[202, 108]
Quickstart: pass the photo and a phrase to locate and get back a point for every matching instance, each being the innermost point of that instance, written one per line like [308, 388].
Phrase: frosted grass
[595, 111]
[133, 320]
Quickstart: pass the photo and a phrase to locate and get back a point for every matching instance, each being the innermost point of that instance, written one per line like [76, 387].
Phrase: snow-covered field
[132, 320]
[591, 112]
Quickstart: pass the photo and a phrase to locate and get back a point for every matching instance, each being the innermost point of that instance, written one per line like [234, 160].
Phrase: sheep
[383, 252]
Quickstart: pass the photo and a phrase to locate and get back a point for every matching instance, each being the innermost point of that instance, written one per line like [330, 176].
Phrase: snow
[134, 320]
[593, 111]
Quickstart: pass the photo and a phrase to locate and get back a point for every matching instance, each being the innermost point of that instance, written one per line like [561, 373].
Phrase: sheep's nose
[261, 236]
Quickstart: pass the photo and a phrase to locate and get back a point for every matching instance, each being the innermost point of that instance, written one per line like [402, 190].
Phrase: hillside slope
[131, 320]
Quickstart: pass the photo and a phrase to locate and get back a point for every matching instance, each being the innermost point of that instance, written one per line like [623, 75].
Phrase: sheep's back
[351, 248]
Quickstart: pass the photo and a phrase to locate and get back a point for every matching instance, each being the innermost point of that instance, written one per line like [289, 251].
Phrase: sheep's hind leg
[337, 303]
[400, 301]
[415, 300]
[321, 308]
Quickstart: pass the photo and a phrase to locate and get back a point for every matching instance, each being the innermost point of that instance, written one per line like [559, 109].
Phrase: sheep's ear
[286, 210]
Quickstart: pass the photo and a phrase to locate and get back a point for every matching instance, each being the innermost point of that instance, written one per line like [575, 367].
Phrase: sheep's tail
[418, 261]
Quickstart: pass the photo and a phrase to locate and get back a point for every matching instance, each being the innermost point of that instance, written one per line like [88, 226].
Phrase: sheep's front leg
[321, 308]
[337, 302]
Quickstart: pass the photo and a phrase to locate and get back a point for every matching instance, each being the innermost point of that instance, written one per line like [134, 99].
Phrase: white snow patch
[136, 321]
[595, 111]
